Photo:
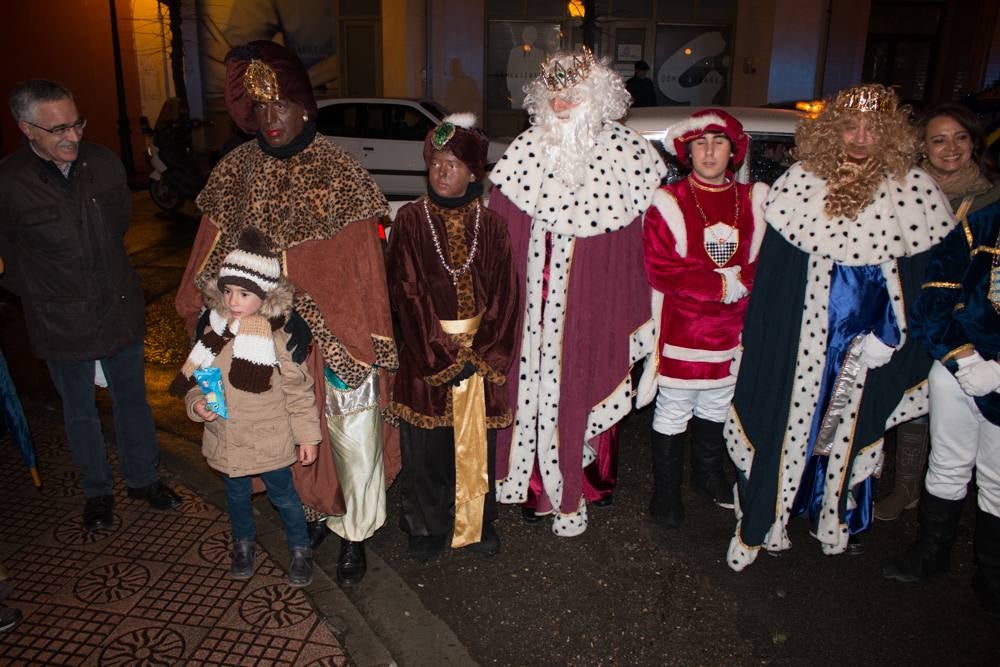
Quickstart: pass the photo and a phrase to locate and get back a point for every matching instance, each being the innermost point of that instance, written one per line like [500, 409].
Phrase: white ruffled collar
[619, 186]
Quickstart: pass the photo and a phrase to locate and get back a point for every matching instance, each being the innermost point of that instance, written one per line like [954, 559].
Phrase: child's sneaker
[300, 570]
[243, 557]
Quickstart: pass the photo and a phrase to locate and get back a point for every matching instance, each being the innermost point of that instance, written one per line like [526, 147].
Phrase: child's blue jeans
[282, 494]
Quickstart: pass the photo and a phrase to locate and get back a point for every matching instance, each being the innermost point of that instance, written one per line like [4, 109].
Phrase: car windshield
[768, 157]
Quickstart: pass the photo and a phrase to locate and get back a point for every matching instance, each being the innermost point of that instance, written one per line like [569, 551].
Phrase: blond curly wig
[851, 185]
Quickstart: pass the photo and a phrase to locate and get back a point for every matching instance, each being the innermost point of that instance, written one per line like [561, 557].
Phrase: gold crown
[871, 97]
[261, 82]
[557, 76]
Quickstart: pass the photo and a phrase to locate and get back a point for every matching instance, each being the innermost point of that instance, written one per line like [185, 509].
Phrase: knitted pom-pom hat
[251, 265]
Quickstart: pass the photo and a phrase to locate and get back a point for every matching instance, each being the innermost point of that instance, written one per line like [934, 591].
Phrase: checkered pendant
[721, 241]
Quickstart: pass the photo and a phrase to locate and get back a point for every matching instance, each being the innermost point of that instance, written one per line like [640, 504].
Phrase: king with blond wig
[820, 148]
[827, 363]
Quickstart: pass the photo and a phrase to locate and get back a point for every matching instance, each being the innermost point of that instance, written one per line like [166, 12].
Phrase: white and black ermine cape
[790, 322]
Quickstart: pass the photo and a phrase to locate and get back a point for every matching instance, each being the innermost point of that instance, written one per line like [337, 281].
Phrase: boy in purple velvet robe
[456, 297]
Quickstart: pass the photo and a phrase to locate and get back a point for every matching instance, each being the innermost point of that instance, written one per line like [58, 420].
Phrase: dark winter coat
[62, 243]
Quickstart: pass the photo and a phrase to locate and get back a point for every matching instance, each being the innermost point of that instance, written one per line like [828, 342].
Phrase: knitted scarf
[254, 356]
[968, 180]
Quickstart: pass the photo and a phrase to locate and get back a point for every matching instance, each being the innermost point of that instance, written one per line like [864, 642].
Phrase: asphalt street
[623, 593]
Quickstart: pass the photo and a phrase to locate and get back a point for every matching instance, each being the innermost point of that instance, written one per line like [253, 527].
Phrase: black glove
[468, 370]
[299, 337]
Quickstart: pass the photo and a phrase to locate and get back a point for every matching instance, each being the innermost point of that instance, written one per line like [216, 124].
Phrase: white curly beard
[570, 143]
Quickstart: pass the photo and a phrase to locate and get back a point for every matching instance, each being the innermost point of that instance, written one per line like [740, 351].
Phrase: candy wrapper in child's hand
[210, 381]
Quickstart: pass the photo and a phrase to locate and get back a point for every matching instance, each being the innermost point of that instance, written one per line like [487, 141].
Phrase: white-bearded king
[573, 188]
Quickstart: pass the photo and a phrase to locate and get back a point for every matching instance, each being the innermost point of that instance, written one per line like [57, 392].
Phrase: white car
[772, 136]
[386, 135]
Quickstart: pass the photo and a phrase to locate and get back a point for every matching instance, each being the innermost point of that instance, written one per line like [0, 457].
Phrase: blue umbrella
[13, 415]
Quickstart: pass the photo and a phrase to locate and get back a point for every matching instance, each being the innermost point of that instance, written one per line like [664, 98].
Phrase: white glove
[979, 377]
[875, 353]
[735, 290]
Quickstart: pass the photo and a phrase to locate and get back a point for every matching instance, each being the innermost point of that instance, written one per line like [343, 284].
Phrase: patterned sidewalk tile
[153, 589]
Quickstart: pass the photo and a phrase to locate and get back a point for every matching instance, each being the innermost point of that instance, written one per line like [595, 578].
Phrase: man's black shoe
[97, 512]
[317, 532]
[351, 566]
[490, 544]
[606, 501]
[158, 495]
[529, 515]
[9, 618]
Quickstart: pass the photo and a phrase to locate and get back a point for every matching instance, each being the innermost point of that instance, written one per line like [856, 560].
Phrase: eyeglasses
[62, 130]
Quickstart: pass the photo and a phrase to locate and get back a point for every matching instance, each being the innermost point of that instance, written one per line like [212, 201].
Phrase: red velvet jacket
[699, 334]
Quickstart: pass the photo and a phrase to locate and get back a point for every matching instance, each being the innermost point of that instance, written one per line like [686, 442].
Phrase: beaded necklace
[736, 198]
[454, 273]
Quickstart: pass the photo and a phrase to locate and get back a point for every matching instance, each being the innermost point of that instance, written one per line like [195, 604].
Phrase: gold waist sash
[468, 401]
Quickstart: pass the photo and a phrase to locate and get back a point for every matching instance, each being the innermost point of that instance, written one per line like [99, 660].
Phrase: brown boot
[911, 456]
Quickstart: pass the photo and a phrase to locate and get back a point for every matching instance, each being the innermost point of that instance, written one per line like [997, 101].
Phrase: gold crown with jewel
[557, 76]
[869, 97]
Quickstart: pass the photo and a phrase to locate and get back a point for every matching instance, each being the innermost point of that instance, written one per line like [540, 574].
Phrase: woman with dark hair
[957, 317]
[953, 152]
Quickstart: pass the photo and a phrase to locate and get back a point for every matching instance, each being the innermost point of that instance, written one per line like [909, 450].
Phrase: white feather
[465, 119]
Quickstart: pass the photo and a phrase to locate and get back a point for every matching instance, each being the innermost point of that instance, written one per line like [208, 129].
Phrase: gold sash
[468, 400]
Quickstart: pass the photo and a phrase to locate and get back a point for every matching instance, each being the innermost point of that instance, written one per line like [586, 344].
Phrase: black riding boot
[708, 459]
[931, 555]
[666, 507]
[986, 581]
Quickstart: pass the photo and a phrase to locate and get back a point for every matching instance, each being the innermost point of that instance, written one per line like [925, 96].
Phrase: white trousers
[960, 439]
[674, 407]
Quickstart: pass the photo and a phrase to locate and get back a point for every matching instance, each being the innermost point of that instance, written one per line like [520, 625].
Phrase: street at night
[625, 592]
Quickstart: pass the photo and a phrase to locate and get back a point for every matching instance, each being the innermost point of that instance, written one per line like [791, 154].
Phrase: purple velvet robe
[608, 300]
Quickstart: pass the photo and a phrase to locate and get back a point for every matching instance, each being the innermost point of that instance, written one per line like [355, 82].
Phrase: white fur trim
[571, 525]
[464, 119]
[905, 218]
[690, 124]
[671, 213]
[617, 188]
[536, 422]
[693, 354]
[681, 383]
[647, 389]
[758, 197]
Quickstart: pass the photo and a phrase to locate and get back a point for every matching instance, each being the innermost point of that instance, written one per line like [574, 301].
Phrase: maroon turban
[276, 74]
[458, 134]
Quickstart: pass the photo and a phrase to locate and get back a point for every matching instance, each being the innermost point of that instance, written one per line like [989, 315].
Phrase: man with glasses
[64, 209]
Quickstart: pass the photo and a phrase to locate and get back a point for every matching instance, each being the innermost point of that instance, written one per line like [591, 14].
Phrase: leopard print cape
[309, 196]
